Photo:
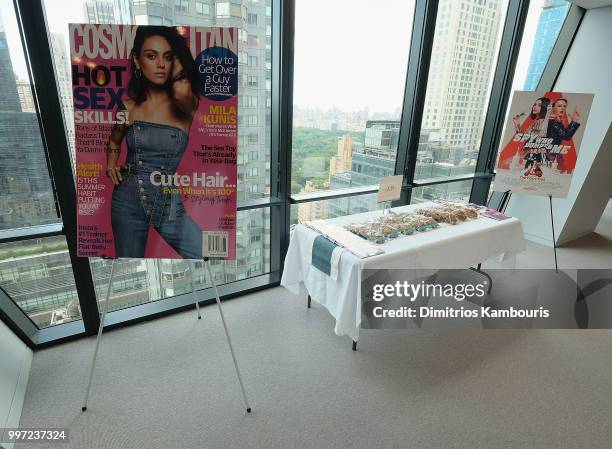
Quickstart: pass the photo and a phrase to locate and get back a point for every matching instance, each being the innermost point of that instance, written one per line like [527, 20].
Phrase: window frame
[31, 19]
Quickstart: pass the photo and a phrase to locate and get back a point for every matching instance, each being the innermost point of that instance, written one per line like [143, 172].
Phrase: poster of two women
[541, 142]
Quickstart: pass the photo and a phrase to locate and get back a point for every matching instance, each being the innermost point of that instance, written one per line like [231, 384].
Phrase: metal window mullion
[276, 213]
[503, 78]
[33, 28]
[421, 43]
[283, 33]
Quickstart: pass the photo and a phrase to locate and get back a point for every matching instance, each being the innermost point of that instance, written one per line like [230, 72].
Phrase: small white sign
[390, 188]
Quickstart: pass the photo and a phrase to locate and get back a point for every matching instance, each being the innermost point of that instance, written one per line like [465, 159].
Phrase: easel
[552, 224]
[506, 200]
[229, 341]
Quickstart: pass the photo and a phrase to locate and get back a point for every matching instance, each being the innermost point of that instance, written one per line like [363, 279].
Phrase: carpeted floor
[170, 384]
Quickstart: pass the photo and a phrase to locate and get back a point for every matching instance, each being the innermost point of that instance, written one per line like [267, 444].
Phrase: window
[223, 9]
[181, 6]
[450, 140]
[459, 190]
[202, 8]
[251, 18]
[249, 101]
[542, 27]
[37, 275]
[346, 111]
[253, 41]
[337, 207]
[142, 281]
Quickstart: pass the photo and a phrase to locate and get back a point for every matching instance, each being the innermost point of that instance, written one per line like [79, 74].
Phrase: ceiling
[590, 4]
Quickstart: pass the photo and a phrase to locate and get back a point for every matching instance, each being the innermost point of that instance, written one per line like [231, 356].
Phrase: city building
[314, 210]
[550, 22]
[464, 50]
[370, 162]
[341, 162]
[27, 197]
[108, 11]
[61, 64]
[24, 90]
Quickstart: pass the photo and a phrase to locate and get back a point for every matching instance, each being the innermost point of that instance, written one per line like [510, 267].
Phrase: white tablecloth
[449, 246]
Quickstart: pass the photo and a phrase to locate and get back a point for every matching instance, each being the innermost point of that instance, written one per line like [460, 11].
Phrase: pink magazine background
[205, 216]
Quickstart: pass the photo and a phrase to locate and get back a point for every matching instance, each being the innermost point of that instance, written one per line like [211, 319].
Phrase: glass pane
[144, 280]
[544, 21]
[37, 275]
[337, 207]
[458, 190]
[26, 193]
[348, 90]
[255, 56]
[465, 48]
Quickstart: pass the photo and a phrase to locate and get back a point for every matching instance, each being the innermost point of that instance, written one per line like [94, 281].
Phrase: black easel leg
[485, 274]
[552, 223]
[309, 299]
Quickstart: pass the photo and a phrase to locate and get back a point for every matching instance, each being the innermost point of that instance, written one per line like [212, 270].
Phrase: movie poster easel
[155, 112]
[540, 145]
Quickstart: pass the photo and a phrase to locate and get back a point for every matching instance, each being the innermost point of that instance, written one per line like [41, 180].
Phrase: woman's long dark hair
[137, 86]
[544, 105]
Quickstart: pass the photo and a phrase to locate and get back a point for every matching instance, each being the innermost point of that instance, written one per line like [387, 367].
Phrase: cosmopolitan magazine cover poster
[155, 111]
[541, 142]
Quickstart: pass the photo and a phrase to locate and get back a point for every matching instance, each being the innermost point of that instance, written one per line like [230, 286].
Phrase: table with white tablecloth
[449, 246]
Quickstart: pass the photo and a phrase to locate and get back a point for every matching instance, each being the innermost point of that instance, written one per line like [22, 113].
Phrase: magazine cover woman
[162, 100]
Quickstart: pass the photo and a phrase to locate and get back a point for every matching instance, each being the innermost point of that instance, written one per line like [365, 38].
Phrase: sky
[350, 54]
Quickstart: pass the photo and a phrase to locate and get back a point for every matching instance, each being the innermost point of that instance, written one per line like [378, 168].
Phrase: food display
[395, 225]
[392, 226]
[450, 212]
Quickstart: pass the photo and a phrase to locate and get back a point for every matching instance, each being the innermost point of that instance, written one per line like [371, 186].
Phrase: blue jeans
[137, 204]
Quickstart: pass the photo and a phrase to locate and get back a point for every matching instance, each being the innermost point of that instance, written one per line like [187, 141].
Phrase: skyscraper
[341, 162]
[24, 90]
[370, 162]
[26, 195]
[109, 11]
[463, 52]
[550, 22]
[61, 65]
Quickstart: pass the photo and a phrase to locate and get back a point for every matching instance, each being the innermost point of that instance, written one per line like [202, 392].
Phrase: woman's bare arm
[113, 150]
[182, 94]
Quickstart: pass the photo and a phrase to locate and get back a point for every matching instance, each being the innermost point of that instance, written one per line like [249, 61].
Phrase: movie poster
[155, 112]
[541, 142]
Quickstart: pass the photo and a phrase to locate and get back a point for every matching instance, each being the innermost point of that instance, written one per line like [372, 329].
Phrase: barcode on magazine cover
[215, 244]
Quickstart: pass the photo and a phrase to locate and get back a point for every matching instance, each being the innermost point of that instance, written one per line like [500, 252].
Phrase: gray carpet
[170, 383]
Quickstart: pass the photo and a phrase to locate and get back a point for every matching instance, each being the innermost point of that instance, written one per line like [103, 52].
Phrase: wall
[586, 69]
[15, 362]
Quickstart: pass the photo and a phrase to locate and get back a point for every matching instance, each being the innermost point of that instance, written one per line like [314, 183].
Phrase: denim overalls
[137, 204]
